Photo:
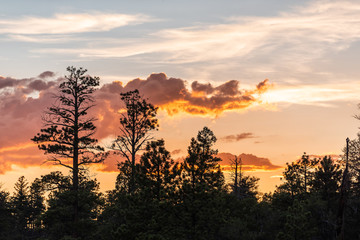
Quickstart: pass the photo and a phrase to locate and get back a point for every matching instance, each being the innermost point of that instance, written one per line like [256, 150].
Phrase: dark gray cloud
[46, 74]
[7, 82]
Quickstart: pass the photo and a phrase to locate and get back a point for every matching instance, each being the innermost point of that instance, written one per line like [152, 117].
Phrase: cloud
[6, 82]
[24, 155]
[23, 101]
[172, 95]
[69, 23]
[46, 74]
[318, 94]
[277, 176]
[263, 86]
[176, 151]
[20, 109]
[250, 162]
[238, 137]
[29, 84]
[230, 88]
[304, 33]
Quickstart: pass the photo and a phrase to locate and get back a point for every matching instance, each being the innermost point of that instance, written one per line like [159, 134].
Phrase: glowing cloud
[69, 23]
[321, 95]
[172, 95]
[23, 101]
[249, 162]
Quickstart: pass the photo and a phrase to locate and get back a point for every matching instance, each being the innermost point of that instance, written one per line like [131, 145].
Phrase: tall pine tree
[68, 132]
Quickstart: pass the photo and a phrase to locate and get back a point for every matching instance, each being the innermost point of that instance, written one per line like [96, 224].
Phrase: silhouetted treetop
[136, 121]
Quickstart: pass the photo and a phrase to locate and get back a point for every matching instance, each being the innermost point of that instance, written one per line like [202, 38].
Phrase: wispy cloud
[238, 137]
[321, 94]
[303, 34]
[42, 38]
[176, 152]
[68, 23]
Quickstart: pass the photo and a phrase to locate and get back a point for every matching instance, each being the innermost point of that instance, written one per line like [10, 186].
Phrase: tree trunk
[76, 168]
[343, 198]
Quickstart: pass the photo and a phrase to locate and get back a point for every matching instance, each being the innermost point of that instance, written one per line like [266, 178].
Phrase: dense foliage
[184, 200]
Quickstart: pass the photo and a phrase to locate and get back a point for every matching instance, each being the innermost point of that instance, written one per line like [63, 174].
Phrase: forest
[156, 197]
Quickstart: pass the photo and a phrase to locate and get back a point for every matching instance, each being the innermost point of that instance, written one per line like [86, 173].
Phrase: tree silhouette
[306, 164]
[327, 178]
[7, 223]
[57, 218]
[202, 185]
[156, 169]
[299, 175]
[236, 165]
[201, 168]
[297, 224]
[68, 132]
[139, 119]
[37, 205]
[21, 205]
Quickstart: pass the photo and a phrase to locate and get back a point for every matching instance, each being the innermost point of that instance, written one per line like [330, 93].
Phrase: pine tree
[21, 206]
[242, 186]
[7, 217]
[327, 178]
[57, 220]
[202, 188]
[298, 176]
[68, 132]
[201, 169]
[140, 118]
[156, 170]
[37, 204]
[298, 225]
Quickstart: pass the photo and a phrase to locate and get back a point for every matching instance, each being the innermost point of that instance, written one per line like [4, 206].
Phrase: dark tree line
[156, 197]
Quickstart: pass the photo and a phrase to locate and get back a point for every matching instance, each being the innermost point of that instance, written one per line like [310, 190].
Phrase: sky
[272, 79]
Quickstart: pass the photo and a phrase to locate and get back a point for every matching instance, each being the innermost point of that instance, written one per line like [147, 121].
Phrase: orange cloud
[172, 95]
[23, 155]
[23, 101]
[249, 162]
[263, 86]
[17, 147]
